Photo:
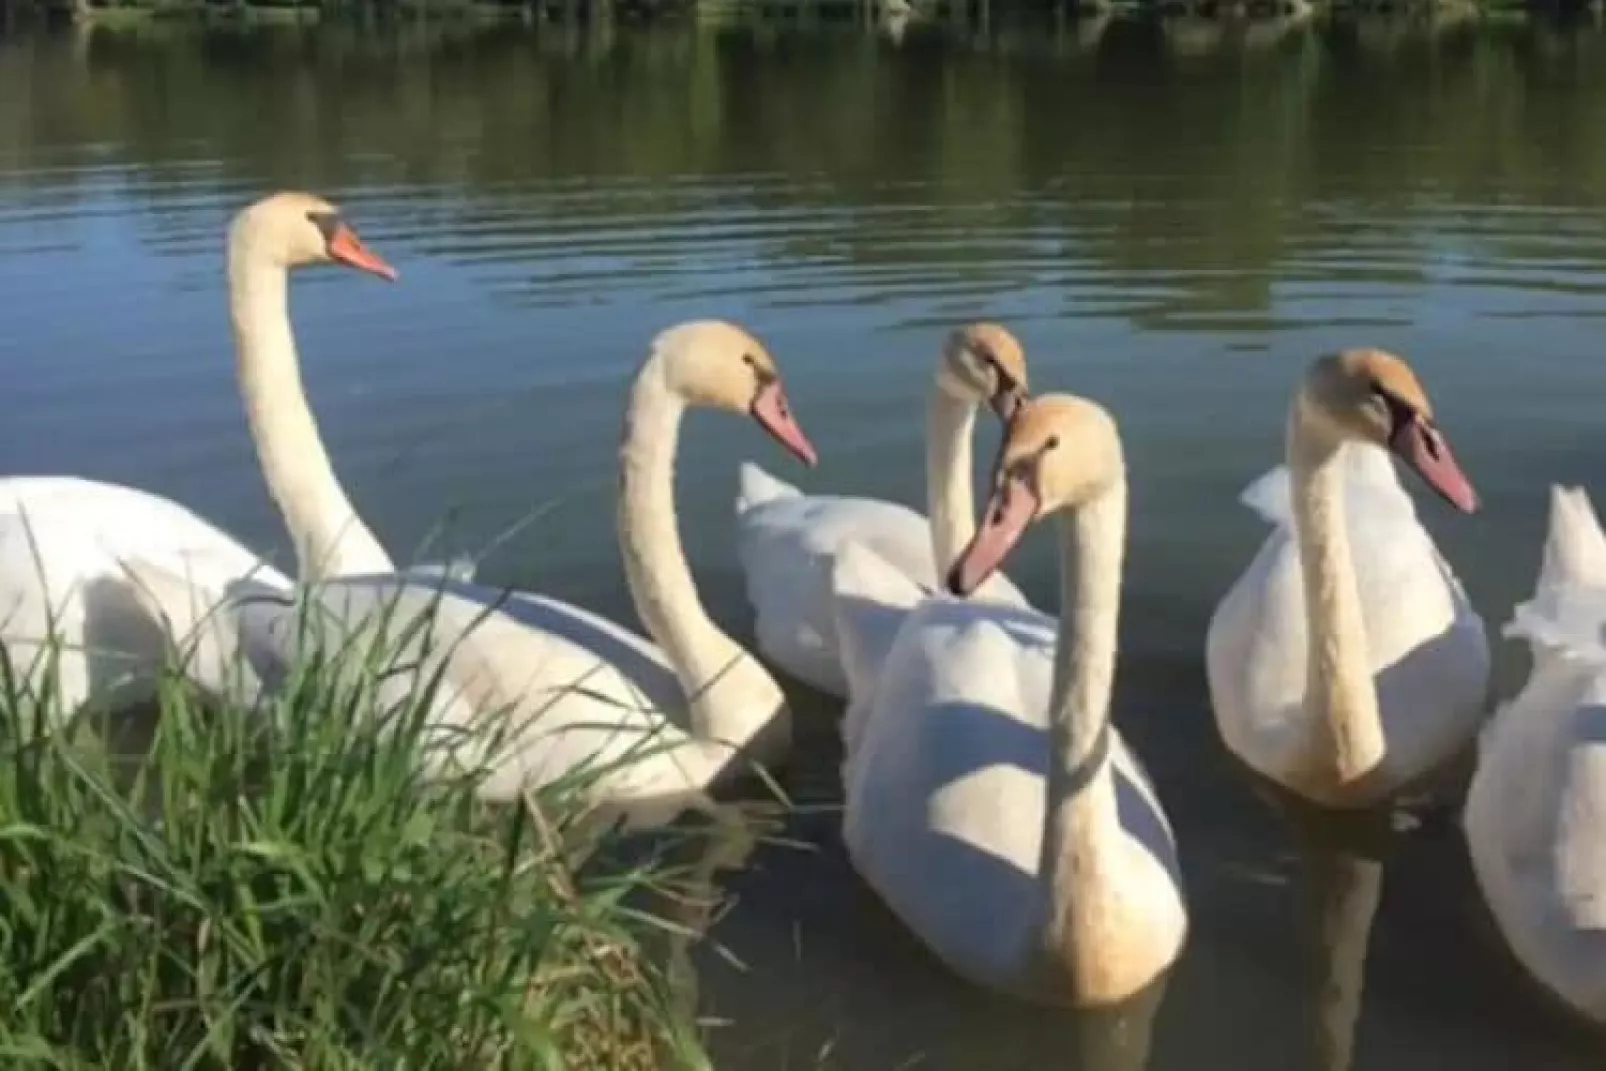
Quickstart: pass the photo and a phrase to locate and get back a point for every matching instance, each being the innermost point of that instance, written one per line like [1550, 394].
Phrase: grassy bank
[276, 886]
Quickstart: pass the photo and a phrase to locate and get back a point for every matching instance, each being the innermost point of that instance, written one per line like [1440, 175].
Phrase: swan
[1574, 558]
[787, 540]
[72, 550]
[989, 800]
[1536, 806]
[540, 690]
[1350, 698]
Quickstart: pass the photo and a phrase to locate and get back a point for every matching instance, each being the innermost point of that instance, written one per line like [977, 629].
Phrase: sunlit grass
[279, 885]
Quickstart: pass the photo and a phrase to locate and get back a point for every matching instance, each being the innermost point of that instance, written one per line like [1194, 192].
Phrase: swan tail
[870, 599]
[1575, 548]
[1269, 497]
[1565, 619]
[756, 487]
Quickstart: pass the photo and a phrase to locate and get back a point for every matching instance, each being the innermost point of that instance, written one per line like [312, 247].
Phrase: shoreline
[940, 14]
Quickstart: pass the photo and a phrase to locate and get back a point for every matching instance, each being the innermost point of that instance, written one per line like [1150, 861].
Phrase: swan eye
[1004, 380]
[326, 222]
[761, 375]
[1400, 412]
[1052, 443]
[992, 368]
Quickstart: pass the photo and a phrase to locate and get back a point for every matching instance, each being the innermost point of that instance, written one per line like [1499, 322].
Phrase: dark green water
[1173, 220]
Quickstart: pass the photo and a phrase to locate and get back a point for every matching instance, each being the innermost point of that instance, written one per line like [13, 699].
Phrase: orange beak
[346, 248]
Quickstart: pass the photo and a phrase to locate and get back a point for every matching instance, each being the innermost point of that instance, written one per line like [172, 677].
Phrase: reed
[279, 883]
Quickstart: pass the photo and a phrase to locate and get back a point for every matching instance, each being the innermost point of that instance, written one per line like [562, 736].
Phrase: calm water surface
[1173, 220]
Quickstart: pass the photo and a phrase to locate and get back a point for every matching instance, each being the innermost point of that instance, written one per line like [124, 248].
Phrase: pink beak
[1424, 448]
[774, 415]
[1010, 511]
[1004, 403]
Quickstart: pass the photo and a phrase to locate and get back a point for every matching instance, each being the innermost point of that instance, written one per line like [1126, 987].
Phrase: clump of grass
[279, 885]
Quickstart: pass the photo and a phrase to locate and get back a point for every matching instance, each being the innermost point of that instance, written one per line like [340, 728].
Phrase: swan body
[546, 690]
[66, 550]
[1536, 806]
[989, 801]
[577, 694]
[71, 549]
[1365, 689]
[787, 540]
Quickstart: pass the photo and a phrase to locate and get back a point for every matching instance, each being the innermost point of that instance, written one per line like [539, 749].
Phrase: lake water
[1173, 218]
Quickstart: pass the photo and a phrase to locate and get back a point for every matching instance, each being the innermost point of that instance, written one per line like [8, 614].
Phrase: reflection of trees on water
[977, 160]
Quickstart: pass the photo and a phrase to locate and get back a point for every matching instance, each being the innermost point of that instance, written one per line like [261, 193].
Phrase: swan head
[717, 365]
[296, 230]
[1374, 397]
[1059, 453]
[984, 362]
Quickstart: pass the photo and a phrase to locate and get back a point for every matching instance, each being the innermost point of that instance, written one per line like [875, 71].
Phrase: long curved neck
[713, 669]
[1339, 687]
[950, 495]
[330, 538]
[1081, 810]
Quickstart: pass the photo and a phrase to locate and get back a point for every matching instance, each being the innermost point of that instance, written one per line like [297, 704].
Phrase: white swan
[989, 799]
[1380, 679]
[1573, 560]
[567, 689]
[1535, 811]
[787, 540]
[70, 548]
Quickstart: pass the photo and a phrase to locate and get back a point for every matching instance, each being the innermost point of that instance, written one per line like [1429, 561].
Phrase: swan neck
[330, 539]
[950, 495]
[707, 662]
[1081, 812]
[1339, 691]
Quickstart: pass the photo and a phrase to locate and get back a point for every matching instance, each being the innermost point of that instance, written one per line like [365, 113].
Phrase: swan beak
[1423, 447]
[1009, 513]
[774, 415]
[346, 248]
[1006, 401]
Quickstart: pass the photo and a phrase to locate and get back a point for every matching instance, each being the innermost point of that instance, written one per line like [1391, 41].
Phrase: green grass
[279, 886]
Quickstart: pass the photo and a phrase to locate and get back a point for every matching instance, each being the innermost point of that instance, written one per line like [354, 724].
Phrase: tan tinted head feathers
[1059, 452]
[1360, 391]
[1387, 372]
[718, 365]
[984, 362]
[1375, 397]
[297, 229]
[714, 364]
[1068, 445]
